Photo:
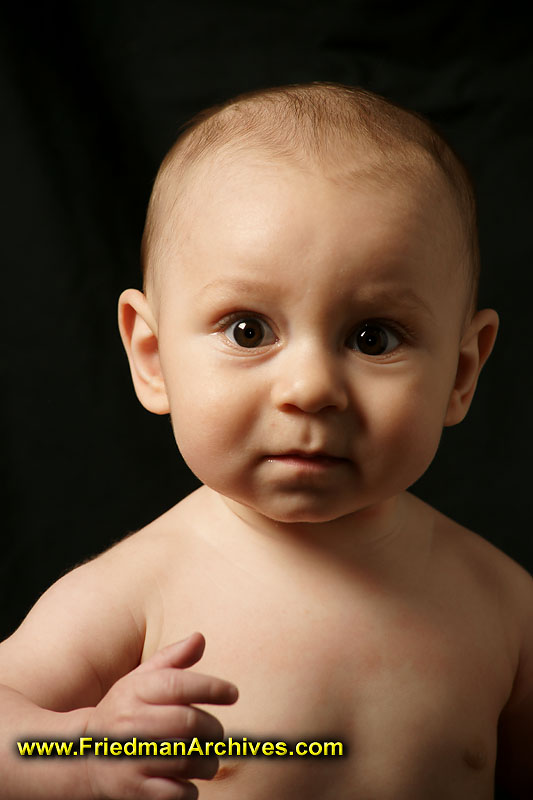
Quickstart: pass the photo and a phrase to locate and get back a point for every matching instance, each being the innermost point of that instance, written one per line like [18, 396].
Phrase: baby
[309, 322]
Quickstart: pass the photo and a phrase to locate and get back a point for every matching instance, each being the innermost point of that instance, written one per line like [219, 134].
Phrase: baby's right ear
[138, 329]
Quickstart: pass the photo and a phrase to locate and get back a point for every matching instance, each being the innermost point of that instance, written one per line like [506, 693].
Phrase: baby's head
[311, 266]
[344, 133]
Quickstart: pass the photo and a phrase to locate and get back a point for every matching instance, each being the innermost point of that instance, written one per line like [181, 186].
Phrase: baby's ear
[138, 330]
[476, 346]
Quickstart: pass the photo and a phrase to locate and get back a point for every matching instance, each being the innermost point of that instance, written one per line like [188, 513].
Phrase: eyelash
[403, 332]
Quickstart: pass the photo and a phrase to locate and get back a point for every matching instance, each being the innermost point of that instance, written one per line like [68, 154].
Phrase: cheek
[405, 420]
[211, 418]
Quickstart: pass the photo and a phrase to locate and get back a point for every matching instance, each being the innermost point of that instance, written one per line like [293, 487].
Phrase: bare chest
[412, 697]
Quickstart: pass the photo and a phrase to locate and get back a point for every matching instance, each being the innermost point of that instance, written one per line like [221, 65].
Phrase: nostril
[310, 396]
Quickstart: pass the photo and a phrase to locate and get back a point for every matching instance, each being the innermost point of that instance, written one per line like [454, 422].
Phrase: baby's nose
[310, 378]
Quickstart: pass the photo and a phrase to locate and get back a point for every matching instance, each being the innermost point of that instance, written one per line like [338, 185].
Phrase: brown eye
[373, 340]
[250, 332]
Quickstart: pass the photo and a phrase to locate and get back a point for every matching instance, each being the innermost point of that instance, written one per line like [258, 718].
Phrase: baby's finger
[166, 686]
[168, 789]
[195, 766]
[181, 654]
[175, 722]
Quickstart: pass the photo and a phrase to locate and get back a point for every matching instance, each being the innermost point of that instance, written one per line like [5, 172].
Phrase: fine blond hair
[327, 125]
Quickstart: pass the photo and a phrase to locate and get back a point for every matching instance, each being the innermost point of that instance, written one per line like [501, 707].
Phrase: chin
[287, 512]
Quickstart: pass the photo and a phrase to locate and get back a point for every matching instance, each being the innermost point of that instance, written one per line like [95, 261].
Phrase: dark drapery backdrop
[92, 95]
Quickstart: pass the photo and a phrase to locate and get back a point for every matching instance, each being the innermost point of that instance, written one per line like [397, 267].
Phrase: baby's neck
[372, 540]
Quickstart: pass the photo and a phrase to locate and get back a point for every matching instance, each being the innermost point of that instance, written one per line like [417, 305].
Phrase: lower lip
[313, 464]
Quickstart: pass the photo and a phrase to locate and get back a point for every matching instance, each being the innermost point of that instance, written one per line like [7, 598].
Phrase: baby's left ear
[476, 347]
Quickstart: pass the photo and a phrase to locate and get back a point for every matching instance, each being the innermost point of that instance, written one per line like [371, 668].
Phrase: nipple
[225, 772]
[475, 757]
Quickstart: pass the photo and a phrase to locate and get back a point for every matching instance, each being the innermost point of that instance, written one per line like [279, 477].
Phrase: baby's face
[309, 337]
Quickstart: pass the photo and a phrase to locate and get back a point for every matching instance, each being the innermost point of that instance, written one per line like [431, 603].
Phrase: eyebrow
[397, 296]
[400, 296]
[236, 284]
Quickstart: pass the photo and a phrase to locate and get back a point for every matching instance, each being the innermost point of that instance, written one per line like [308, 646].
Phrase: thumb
[179, 654]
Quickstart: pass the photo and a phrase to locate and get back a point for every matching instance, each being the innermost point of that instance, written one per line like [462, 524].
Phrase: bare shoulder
[502, 586]
[88, 629]
[485, 562]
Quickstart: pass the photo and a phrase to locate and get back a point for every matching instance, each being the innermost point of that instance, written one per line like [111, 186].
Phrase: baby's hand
[154, 702]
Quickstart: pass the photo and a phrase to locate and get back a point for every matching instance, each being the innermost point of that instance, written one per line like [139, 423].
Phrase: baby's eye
[373, 339]
[250, 332]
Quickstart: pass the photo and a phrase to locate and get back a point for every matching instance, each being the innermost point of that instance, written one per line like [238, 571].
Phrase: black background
[92, 95]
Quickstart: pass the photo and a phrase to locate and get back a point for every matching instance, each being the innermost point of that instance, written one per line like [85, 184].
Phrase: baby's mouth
[311, 460]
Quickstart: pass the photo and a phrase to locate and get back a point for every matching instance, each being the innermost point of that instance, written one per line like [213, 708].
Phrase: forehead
[262, 219]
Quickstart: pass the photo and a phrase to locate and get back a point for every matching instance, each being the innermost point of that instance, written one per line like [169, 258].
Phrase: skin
[308, 388]
[343, 607]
